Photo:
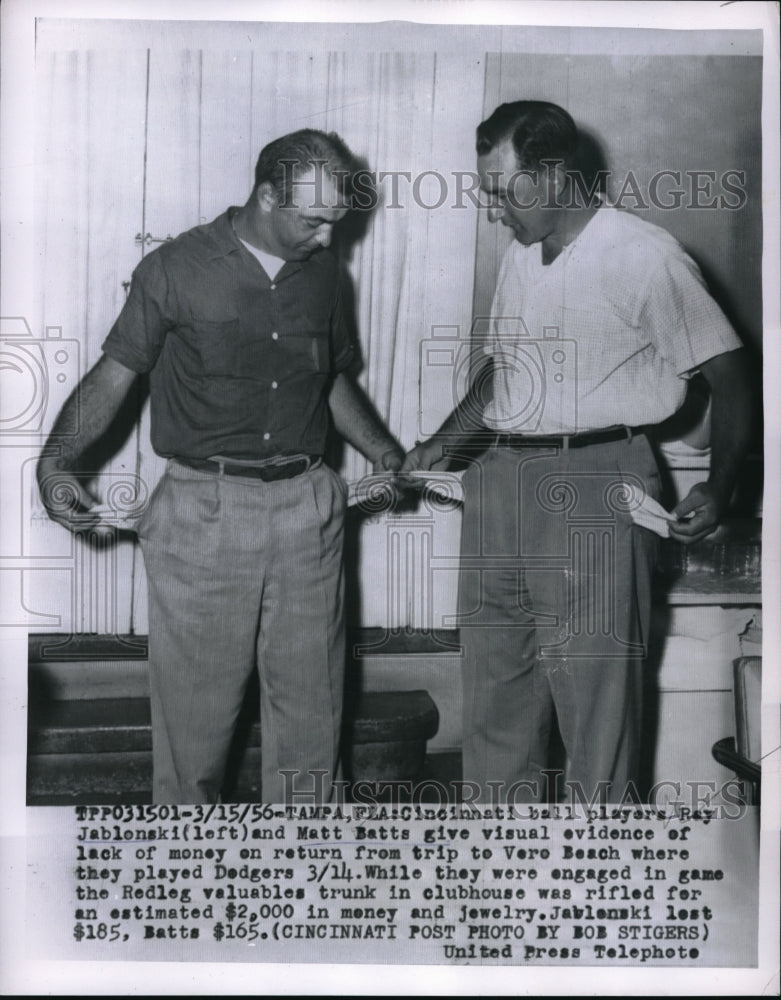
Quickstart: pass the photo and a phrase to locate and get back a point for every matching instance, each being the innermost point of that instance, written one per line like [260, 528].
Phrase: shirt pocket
[305, 352]
[231, 349]
[216, 347]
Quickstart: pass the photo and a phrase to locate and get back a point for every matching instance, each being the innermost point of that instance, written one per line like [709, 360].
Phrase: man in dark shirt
[239, 324]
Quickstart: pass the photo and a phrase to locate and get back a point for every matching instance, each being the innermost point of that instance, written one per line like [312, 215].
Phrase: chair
[743, 752]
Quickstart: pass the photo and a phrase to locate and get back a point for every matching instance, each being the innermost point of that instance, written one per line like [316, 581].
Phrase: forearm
[463, 425]
[700, 512]
[732, 421]
[356, 421]
[86, 416]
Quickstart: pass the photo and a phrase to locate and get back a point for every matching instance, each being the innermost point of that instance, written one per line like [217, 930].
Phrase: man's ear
[557, 177]
[267, 196]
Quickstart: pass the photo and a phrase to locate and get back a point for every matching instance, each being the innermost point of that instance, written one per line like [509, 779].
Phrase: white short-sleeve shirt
[605, 334]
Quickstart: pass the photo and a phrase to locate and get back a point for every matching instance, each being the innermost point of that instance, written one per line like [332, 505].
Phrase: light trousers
[243, 573]
[554, 610]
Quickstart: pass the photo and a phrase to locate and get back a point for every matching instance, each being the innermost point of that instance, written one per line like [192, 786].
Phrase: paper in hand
[651, 514]
[442, 486]
[110, 517]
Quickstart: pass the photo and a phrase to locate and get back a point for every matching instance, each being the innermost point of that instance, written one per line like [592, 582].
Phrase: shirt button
[275, 335]
[275, 385]
[273, 287]
[266, 436]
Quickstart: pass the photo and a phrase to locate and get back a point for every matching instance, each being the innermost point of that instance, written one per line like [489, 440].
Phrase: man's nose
[324, 236]
[495, 213]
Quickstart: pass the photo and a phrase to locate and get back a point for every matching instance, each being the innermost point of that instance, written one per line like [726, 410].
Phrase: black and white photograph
[390, 498]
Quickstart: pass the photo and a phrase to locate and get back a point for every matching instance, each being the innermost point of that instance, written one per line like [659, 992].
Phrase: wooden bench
[99, 750]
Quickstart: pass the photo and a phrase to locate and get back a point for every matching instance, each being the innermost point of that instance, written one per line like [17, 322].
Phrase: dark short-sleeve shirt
[239, 364]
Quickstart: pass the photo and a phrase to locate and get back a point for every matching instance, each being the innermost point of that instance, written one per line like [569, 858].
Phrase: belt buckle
[280, 470]
[267, 472]
[285, 470]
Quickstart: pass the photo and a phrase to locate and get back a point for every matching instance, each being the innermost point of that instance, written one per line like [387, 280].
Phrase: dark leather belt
[567, 440]
[269, 473]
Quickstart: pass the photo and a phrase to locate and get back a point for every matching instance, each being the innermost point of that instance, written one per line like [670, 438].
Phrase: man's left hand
[704, 509]
[390, 460]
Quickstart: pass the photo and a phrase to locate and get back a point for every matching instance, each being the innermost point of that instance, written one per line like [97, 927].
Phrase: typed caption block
[626, 886]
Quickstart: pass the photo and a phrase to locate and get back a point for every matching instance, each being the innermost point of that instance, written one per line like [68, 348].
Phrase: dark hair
[280, 159]
[539, 131]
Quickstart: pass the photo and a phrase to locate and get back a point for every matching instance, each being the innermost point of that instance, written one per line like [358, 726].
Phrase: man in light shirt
[598, 320]
[240, 325]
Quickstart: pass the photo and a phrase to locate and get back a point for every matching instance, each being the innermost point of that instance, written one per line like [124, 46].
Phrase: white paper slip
[445, 485]
[650, 514]
[378, 489]
[113, 518]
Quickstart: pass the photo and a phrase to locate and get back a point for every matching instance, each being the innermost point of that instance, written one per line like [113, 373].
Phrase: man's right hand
[86, 415]
[67, 500]
[423, 457]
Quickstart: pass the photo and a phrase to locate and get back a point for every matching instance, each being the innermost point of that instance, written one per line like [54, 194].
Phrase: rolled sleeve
[342, 349]
[685, 323]
[136, 338]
